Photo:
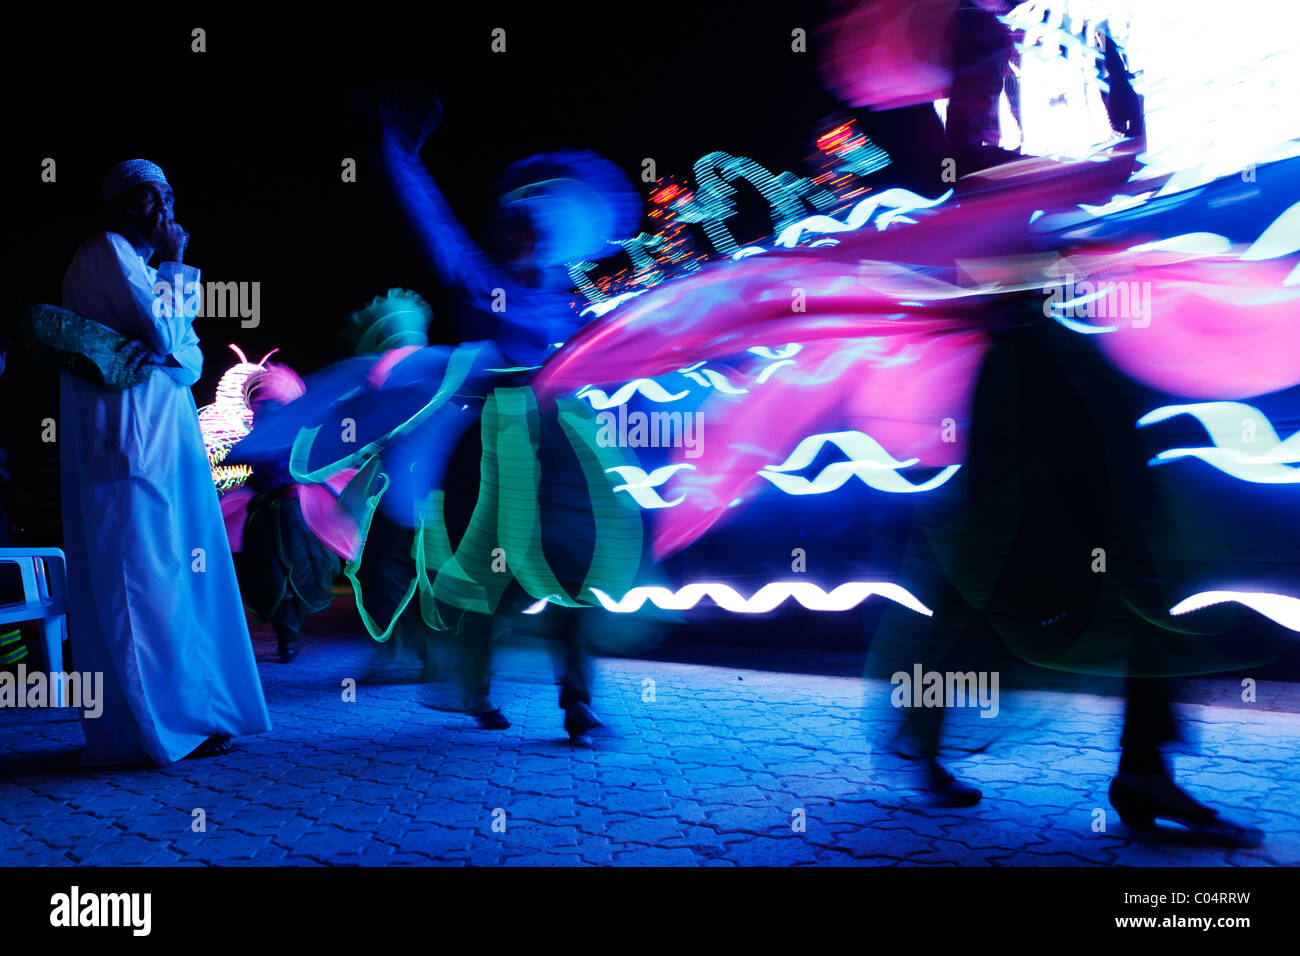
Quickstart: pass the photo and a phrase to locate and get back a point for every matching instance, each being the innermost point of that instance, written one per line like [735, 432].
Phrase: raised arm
[452, 254]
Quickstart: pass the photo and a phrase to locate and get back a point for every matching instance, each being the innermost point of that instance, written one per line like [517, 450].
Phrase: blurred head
[513, 240]
[557, 208]
[397, 319]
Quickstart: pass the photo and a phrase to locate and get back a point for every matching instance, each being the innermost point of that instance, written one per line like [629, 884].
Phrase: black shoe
[1141, 799]
[287, 652]
[939, 788]
[924, 782]
[218, 745]
[579, 719]
[492, 720]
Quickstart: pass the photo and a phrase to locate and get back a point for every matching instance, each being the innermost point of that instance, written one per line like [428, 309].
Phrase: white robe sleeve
[189, 358]
[142, 306]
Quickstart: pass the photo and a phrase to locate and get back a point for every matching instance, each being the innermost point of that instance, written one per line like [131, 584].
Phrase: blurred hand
[412, 115]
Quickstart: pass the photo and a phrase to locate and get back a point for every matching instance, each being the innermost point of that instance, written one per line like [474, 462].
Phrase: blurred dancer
[388, 329]
[552, 209]
[1032, 433]
[289, 539]
[1012, 557]
[915, 330]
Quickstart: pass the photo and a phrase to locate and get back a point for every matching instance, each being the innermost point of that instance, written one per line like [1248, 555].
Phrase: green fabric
[369, 485]
[503, 542]
[619, 531]
[79, 345]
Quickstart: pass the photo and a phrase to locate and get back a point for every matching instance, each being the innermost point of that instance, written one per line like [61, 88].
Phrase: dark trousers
[474, 642]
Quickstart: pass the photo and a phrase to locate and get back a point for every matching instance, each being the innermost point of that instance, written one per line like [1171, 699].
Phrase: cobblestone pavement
[714, 770]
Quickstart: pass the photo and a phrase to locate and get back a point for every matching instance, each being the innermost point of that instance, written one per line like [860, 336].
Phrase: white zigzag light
[647, 387]
[641, 485]
[1281, 238]
[708, 377]
[899, 201]
[1264, 460]
[868, 461]
[651, 389]
[767, 598]
[1282, 608]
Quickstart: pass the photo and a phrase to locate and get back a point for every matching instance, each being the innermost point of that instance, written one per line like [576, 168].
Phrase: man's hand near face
[169, 238]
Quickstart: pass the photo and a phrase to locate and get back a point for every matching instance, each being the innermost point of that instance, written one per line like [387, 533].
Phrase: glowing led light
[1083, 328]
[1059, 81]
[768, 370]
[651, 390]
[600, 308]
[1116, 204]
[1199, 243]
[665, 195]
[896, 201]
[640, 485]
[835, 138]
[646, 387]
[1246, 446]
[670, 249]
[709, 378]
[1281, 608]
[868, 461]
[767, 598]
[228, 419]
[1281, 238]
[226, 477]
[785, 351]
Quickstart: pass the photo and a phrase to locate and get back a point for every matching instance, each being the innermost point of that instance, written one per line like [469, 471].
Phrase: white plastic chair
[45, 599]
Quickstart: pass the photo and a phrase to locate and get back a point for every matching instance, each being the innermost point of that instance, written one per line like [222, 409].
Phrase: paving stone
[707, 775]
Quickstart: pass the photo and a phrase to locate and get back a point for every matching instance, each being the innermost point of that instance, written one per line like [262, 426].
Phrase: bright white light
[646, 387]
[1246, 446]
[1282, 608]
[868, 461]
[767, 598]
[641, 485]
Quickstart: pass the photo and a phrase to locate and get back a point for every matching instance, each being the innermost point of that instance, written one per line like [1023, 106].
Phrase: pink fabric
[897, 373]
[339, 480]
[894, 353]
[888, 53]
[330, 523]
[1219, 328]
[380, 371]
[276, 383]
[234, 511]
